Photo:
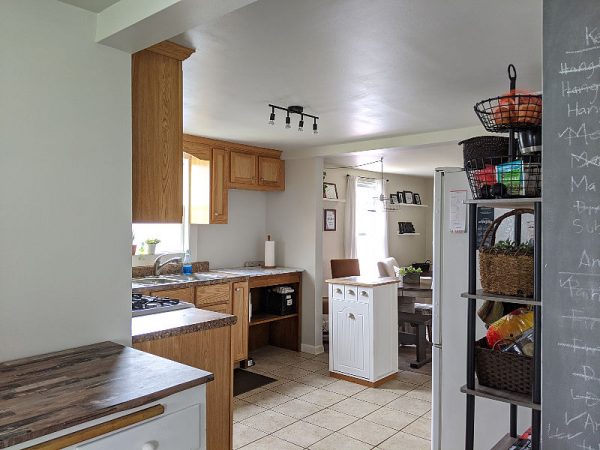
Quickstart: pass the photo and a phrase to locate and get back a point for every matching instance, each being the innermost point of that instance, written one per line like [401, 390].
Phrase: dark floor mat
[244, 381]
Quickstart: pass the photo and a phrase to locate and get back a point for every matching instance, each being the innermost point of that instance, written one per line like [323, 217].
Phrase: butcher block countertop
[174, 323]
[364, 281]
[49, 393]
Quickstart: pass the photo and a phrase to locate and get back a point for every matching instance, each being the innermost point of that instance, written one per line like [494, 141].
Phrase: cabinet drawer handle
[150, 445]
[364, 293]
[238, 289]
[351, 316]
[338, 291]
[351, 292]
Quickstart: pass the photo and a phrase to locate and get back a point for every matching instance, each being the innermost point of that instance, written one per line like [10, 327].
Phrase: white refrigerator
[450, 278]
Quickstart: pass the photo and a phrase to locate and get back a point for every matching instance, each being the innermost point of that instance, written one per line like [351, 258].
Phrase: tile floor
[307, 409]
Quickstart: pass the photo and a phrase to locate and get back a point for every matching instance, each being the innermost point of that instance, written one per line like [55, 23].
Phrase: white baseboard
[312, 349]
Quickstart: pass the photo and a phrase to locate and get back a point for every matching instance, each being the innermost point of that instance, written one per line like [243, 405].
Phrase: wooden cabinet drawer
[185, 294]
[222, 308]
[212, 294]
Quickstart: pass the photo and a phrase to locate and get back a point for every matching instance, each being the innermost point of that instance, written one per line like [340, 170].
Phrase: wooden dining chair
[344, 268]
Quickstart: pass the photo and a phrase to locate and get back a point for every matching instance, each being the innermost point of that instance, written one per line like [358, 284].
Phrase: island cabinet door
[351, 338]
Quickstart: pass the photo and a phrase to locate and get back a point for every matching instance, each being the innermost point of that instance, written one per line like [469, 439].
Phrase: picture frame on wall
[393, 199]
[416, 198]
[330, 191]
[400, 196]
[408, 197]
[329, 219]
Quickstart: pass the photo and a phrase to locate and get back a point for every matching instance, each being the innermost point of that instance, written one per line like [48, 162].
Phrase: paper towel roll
[269, 253]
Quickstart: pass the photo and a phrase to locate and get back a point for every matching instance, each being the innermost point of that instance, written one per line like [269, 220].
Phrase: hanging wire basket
[505, 177]
[516, 112]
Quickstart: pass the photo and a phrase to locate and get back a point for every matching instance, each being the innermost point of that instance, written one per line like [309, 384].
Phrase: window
[371, 226]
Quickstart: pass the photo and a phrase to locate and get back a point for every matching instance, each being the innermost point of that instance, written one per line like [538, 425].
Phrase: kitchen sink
[154, 281]
[199, 277]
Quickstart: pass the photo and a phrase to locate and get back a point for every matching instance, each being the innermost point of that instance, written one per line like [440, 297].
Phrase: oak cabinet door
[239, 332]
[271, 173]
[157, 134]
[243, 168]
[218, 186]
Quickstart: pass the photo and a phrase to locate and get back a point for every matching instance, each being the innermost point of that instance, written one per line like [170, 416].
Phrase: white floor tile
[369, 432]
[331, 419]
[302, 433]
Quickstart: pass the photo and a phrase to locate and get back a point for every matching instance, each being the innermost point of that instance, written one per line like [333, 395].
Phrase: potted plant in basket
[152, 243]
[410, 275]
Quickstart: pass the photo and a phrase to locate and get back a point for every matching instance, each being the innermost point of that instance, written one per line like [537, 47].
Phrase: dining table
[421, 322]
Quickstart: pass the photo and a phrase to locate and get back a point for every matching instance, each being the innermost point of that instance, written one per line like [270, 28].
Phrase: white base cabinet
[363, 330]
[182, 426]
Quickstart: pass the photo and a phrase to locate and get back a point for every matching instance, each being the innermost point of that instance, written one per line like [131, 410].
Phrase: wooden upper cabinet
[218, 186]
[157, 133]
[271, 172]
[243, 170]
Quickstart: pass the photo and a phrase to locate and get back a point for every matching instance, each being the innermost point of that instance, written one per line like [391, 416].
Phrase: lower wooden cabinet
[208, 350]
[239, 332]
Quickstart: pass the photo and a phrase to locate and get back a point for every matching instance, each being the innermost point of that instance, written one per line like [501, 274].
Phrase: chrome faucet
[158, 265]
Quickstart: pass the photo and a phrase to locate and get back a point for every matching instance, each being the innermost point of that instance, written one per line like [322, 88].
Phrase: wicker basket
[505, 273]
[484, 147]
[502, 370]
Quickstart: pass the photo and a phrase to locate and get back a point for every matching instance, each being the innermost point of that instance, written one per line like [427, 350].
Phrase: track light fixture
[293, 110]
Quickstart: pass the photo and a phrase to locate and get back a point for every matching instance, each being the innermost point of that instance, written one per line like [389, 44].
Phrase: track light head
[288, 121]
[301, 123]
[315, 127]
[272, 116]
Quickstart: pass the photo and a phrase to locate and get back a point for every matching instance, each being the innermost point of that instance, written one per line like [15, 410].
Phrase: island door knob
[351, 316]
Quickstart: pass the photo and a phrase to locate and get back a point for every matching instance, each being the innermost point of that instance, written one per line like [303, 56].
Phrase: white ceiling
[420, 161]
[367, 68]
[91, 5]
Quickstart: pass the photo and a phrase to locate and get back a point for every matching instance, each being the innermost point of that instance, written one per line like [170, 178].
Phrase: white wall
[406, 249]
[65, 179]
[294, 221]
[240, 240]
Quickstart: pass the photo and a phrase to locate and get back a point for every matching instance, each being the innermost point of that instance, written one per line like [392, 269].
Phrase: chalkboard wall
[571, 226]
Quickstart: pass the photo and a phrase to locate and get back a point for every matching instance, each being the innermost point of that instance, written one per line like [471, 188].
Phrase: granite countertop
[251, 272]
[174, 323]
[51, 392]
[181, 284]
[364, 281]
[216, 276]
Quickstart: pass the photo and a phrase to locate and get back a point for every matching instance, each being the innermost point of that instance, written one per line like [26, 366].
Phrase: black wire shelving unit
[472, 389]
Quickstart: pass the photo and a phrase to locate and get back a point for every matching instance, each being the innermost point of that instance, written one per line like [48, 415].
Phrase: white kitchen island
[363, 329]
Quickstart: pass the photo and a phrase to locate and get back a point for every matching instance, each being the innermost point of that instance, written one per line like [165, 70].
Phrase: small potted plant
[152, 243]
[410, 275]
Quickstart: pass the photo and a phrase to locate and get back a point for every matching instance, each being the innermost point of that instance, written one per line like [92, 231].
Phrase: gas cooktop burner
[147, 304]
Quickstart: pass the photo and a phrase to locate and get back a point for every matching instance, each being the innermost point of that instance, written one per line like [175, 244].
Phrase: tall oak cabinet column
[157, 133]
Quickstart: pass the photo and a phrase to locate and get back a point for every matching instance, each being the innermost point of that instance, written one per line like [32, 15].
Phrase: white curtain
[365, 224]
[382, 224]
[350, 218]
